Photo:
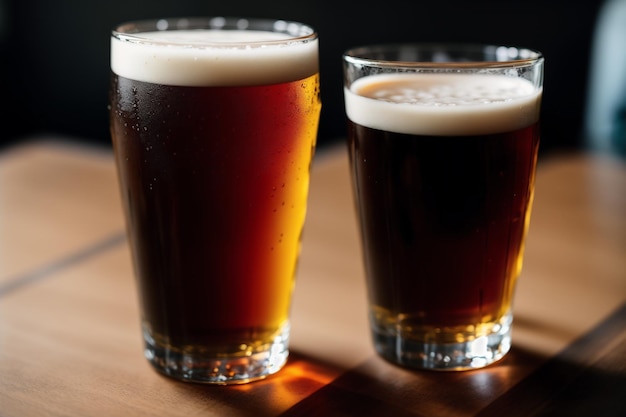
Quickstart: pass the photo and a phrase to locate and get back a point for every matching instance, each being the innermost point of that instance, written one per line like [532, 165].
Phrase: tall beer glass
[214, 123]
[443, 143]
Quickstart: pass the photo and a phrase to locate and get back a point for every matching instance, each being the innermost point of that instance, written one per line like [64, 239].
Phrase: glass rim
[511, 56]
[131, 31]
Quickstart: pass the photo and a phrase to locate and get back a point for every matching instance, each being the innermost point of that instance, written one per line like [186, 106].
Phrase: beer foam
[442, 104]
[213, 57]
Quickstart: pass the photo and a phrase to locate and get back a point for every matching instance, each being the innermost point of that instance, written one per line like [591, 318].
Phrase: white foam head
[214, 57]
[442, 104]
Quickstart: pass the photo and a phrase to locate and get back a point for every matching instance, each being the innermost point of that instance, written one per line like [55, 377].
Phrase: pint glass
[214, 123]
[443, 143]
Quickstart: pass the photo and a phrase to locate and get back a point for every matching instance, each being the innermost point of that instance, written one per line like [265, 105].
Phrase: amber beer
[443, 167]
[213, 146]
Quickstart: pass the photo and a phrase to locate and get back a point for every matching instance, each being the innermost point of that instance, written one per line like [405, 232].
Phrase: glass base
[236, 368]
[472, 353]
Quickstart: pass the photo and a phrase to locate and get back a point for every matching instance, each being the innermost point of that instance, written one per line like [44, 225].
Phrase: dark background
[55, 54]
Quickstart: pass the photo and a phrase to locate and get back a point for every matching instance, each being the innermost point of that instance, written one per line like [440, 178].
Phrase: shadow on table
[587, 378]
[379, 388]
[524, 384]
[299, 379]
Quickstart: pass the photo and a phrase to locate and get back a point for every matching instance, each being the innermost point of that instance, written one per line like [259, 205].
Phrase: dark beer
[214, 175]
[443, 168]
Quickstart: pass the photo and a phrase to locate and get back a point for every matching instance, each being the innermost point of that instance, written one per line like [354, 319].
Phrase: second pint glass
[443, 143]
[214, 123]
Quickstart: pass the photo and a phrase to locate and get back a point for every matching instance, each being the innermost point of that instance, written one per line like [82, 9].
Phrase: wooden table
[70, 342]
